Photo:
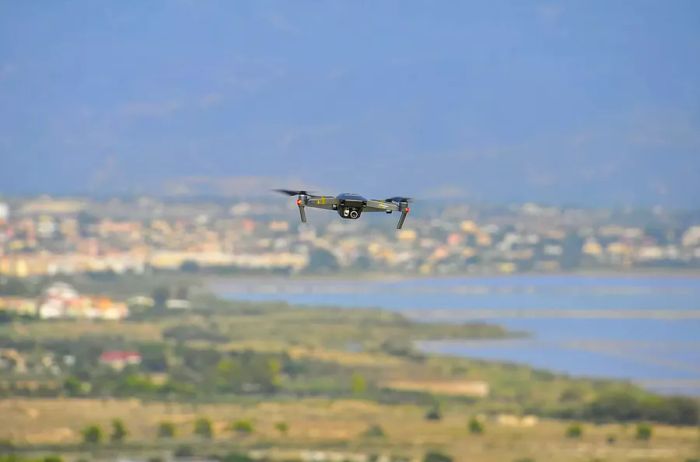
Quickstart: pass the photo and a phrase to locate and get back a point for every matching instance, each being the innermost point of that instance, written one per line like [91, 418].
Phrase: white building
[4, 211]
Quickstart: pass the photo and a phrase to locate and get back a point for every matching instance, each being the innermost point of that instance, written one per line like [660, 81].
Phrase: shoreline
[503, 317]
[398, 277]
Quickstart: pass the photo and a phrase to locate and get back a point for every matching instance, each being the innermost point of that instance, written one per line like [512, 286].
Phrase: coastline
[560, 324]
[400, 277]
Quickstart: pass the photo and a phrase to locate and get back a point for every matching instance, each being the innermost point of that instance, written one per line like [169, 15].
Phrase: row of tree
[643, 432]
[202, 427]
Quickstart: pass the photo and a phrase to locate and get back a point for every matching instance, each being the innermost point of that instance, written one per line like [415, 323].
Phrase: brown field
[147, 332]
[325, 423]
[476, 388]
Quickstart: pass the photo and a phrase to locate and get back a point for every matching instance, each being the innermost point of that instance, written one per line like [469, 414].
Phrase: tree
[575, 430]
[202, 427]
[118, 431]
[358, 384]
[72, 386]
[571, 395]
[86, 219]
[644, 431]
[282, 427]
[618, 405]
[14, 287]
[322, 260]
[475, 426]
[621, 405]
[571, 253]
[160, 295]
[182, 293]
[189, 266]
[433, 413]
[92, 434]
[166, 430]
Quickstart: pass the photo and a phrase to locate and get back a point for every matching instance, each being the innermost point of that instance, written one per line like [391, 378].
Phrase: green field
[343, 380]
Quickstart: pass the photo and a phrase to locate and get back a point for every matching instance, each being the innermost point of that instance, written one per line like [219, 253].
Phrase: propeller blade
[398, 199]
[290, 192]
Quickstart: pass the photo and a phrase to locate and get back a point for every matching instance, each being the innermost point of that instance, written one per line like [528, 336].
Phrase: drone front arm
[302, 212]
[404, 212]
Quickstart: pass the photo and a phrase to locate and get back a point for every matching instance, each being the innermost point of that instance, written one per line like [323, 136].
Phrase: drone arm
[404, 213]
[302, 212]
[322, 202]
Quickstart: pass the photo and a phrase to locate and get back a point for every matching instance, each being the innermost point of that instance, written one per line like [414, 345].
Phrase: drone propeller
[398, 199]
[301, 201]
[289, 192]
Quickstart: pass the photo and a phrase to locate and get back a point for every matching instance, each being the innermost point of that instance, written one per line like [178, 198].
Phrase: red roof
[111, 356]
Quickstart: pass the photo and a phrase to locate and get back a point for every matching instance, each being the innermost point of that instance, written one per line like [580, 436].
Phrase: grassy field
[346, 372]
[338, 426]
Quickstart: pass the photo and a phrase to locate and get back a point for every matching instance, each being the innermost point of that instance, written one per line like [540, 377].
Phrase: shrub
[92, 434]
[624, 406]
[433, 413]
[644, 431]
[236, 457]
[52, 458]
[118, 431]
[358, 384]
[243, 427]
[202, 427]
[282, 427]
[184, 451]
[166, 430]
[374, 431]
[575, 430]
[6, 445]
[475, 426]
[434, 456]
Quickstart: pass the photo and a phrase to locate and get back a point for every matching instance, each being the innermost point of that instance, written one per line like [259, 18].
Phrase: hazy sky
[577, 102]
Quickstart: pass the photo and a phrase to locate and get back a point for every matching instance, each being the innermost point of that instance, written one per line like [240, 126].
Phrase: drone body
[349, 206]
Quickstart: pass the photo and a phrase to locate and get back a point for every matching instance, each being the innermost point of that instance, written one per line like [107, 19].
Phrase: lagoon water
[642, 328]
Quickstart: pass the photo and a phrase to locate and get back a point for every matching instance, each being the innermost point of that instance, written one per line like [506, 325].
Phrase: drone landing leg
[302, 213]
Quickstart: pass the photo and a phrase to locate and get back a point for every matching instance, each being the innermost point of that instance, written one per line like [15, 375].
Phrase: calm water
[642, 328]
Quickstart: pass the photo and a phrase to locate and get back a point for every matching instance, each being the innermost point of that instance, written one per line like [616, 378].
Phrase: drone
[348, 205]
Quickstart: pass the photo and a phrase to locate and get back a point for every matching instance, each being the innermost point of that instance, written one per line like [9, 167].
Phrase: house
[61, 300]
[19, 305]
[178, 304]
[118, 360]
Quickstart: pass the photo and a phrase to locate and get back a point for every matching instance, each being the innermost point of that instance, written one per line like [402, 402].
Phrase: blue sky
[563, 102]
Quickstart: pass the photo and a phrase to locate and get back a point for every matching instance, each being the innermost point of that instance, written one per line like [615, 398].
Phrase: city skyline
[593, 104]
